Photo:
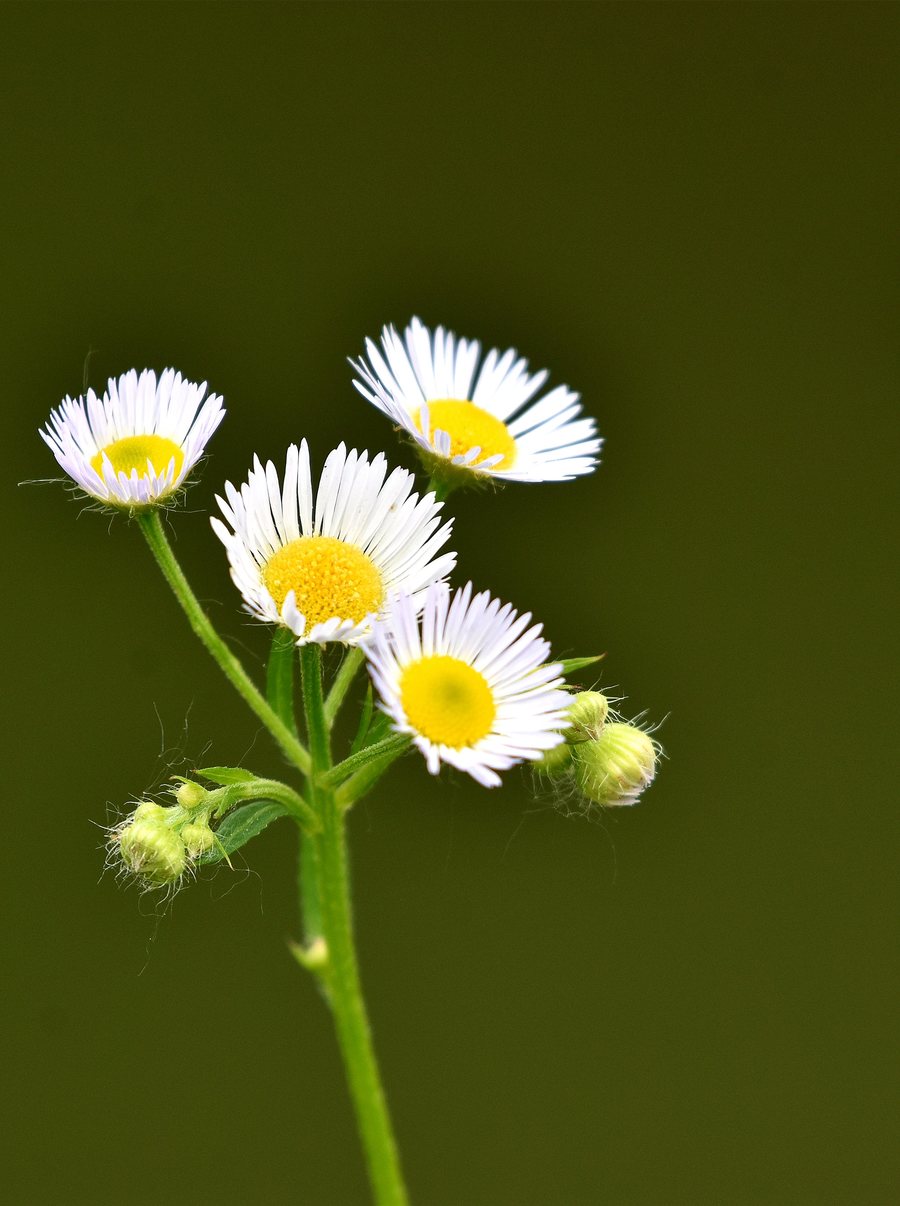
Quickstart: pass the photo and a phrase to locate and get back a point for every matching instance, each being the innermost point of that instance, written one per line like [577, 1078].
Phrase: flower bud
[197, 839]
[148, 811]
[556, 761]
[616, 767]
[190, 795]
[152, 849]
[587, 715]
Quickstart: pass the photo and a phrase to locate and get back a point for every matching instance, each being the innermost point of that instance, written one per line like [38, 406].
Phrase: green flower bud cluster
[609, 762]
[159, 845]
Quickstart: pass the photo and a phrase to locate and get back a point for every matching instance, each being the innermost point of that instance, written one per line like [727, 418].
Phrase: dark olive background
[684, 211]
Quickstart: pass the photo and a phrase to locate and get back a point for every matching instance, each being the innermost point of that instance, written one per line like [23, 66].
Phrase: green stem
[365, 719]
[396, 744]
[317, 727]
[310, 904]
[364, 780]
[151, 525]
[340, 972]
[271, 789]
[440, 487]
[280, 690]
[280, 677]
[308, 875]
[342, 682]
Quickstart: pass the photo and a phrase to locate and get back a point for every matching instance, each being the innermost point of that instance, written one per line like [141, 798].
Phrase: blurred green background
[685, 212]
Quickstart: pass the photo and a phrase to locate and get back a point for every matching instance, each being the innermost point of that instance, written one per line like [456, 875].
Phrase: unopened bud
[152, 849]
[556, 761]
[148, 811]
[197, 839]
[190, 795]
[616, 767]
[587, 715]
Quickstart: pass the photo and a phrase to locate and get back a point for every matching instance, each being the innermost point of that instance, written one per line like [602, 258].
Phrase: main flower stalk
[324, 880]
[339, 970]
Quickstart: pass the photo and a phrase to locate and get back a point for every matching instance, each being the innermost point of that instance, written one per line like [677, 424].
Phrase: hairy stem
[342, 681]
[340, 972]
[280, 677]
[280, 690]
[395, 745]
[272, 789]
[440, 486]
[151, 525]
[362, 782]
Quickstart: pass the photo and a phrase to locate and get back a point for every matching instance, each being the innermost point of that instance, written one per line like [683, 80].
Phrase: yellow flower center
[328, 577]
[447, 701]
[133, 452]
[469, 426]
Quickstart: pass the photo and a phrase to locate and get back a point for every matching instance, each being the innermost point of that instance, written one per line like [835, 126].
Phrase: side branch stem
[392, 746]
[272, 789]
[151, 525]
[361, 783]
[342, 681]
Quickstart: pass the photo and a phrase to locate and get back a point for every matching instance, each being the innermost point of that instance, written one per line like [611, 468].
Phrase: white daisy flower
[136, 445]
[325, 570]
[478, 420]
[470, 685]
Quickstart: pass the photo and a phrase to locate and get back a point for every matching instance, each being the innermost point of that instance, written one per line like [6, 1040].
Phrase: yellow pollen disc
[133, 452]
[447, 701]
[329, 578]
[468, 425]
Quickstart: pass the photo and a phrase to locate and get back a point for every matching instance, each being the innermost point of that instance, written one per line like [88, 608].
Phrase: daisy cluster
[358, 556]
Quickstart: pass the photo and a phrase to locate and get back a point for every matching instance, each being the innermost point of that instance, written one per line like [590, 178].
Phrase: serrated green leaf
[571, 664]
[241, 825]
[225, 775]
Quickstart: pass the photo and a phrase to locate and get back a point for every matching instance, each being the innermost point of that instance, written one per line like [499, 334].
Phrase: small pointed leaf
[571, 664]
[377, 731]
[241, 825]
[365, 720]
[226, 775]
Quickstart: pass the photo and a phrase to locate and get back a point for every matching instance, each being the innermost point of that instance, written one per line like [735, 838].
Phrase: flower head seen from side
[135, 446]
[470, 682]
[470, 421]
[326, 568]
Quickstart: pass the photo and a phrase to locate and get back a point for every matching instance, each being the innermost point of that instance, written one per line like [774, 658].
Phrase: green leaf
[241, 825]
[571, 664]
[365, 720]
[378, 730]
[226, 775]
